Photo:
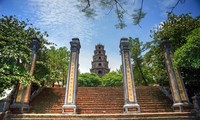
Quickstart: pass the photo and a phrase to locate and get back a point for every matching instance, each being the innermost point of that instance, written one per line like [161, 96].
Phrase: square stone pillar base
[130, 108]
[19, 108]
[181, 107]
[69, 109]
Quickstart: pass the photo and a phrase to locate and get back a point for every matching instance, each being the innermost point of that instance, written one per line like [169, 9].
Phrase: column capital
[36, 44]
[166, 44]
[75, 44]
[124, 44]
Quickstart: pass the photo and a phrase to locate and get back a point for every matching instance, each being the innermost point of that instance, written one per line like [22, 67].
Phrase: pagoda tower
[99, 63]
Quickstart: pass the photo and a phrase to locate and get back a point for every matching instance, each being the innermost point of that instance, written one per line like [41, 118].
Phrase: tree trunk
[140, 69]
[53, 84]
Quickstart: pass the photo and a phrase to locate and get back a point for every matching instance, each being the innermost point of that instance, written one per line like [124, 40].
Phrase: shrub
[112, 79]
[88, 80]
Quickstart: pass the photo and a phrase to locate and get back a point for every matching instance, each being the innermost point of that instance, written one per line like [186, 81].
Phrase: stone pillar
[21, 102]
[177, 86]
[130, 103]
[196, 103]
[71, 86]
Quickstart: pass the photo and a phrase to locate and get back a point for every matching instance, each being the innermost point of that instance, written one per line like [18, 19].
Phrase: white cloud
[61, 19]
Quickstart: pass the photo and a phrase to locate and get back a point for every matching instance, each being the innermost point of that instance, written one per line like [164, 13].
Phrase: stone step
[99, 110]
[153, 104]
[95, 99]
[117, 99]
[122, 102]
[106, 105]
[134, 116]
[154, 110]
[1, 115]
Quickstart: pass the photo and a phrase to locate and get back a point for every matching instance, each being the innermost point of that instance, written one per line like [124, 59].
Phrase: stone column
[196, 103]
[130, 103]
[71, 86]
[21, 102]
[177, 86]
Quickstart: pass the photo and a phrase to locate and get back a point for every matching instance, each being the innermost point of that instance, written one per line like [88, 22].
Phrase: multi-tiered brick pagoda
[99, 63]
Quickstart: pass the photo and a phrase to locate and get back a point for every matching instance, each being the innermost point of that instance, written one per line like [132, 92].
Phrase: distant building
[99, 63]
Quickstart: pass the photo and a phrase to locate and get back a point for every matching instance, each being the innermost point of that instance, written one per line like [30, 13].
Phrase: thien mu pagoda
[99, 63]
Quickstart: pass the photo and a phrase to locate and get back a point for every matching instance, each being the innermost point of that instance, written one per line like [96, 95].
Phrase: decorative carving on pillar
[177, 86]
[71, 87]
[130, 103]
[21, 103]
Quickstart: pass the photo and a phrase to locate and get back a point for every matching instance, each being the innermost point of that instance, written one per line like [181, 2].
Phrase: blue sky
[63, 21]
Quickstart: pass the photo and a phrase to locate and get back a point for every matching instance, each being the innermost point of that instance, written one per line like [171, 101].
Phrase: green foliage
[42, 72]
[155, 70]
[136, 49]
[187, 55]
[15, 50]
[137, 17]
[112, 79]
[177, 29]
[55, 65]
[88, 80]
[120, 17]
[89, 8]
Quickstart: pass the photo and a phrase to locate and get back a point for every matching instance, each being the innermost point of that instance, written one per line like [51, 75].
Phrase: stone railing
[6, 100]
[166, 91]
[36, 92]
[196, 104]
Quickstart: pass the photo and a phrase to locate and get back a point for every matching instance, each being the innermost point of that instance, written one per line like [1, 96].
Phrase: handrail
[7, 100]
[36, 92]
[166, 91]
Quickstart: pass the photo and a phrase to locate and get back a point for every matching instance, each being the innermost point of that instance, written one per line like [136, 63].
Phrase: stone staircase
[135, 116]
[101, 100]
[102, 103]
[1, 115]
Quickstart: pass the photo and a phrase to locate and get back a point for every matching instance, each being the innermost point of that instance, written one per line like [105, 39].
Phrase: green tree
[89, 8]
[15, 50]
[112, 79]
[187, 56]
[177, 29]
[154, 66]
[57, 61]
[136, 49]
[88, 80]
